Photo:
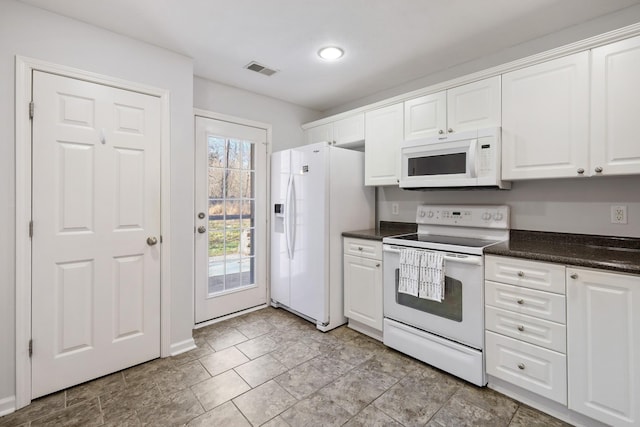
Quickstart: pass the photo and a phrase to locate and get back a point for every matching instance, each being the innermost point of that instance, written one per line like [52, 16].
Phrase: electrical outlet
[395, 209]
[618, 214]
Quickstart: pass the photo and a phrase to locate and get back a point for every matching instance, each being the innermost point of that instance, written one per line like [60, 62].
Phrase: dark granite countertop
[620, 254]
[385, 229]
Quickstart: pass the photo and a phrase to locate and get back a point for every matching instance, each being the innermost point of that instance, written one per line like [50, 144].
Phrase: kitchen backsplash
[559, 205]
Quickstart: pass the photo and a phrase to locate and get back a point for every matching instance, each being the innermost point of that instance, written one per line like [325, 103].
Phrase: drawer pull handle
[521, 328]
[520, 301]
[521, 366]
[359, 248]
[520, 273]
[378, 265]
[574, 276]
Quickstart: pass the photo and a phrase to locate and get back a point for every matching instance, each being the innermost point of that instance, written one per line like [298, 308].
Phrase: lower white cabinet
[603, 338]
[363, 286]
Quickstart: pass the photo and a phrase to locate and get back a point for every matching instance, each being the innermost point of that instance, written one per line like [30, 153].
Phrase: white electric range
[449, 334]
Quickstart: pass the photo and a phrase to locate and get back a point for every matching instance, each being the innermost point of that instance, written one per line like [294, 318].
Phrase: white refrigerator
[317, 192]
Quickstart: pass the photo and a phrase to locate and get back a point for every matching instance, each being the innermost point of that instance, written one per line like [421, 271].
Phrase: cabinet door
[383, 135]
[349, 131]
[363, 290]
[615, 104]
[425, 116]
[545, 119]
[603, 345]
[322, 133]
[474, 105]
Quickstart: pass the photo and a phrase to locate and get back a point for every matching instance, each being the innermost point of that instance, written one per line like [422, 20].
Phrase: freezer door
[308, 289]
[280, 263]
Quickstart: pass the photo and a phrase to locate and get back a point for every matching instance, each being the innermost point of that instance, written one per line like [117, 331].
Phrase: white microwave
[465, 159]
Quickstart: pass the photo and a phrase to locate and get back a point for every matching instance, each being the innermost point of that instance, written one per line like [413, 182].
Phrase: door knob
[202, 229]
[151, 241]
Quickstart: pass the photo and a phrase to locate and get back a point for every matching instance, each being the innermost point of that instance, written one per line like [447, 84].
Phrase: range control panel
[482, 216]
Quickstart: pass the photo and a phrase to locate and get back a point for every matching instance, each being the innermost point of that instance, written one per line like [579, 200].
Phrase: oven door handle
[472, 259]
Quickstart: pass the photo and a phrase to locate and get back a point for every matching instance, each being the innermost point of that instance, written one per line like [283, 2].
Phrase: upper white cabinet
[603, 338]
[383, 135]
[545, 119]
[343, 132]
[471, 106]
[615, 90]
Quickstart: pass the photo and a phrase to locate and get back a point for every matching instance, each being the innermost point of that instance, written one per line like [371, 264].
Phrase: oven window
[444, 164]
[450, 308]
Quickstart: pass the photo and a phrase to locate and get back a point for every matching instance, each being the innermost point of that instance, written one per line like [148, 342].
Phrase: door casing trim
[24, 68]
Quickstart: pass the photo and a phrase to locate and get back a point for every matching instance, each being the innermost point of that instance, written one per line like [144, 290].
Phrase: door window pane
[231, 214]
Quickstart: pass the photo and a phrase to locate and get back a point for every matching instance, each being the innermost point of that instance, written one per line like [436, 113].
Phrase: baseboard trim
[182, 347]
[7, 405]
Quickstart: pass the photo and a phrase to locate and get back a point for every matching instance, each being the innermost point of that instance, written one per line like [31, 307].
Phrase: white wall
[285, 118]
[38, 34]
[581, 205]
[628, 16]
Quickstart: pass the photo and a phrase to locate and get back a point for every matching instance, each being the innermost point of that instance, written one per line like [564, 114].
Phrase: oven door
[442, 164]
[458, 317]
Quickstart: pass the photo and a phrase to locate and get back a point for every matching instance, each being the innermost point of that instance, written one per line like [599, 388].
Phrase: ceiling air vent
[254, 66]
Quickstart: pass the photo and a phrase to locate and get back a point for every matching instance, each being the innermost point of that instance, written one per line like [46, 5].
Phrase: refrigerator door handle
[287, 216]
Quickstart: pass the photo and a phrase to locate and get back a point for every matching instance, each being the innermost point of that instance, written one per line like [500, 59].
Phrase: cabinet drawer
[550, 335]
[544, 305]
[531, 274]
[528, 366]
[363, 247]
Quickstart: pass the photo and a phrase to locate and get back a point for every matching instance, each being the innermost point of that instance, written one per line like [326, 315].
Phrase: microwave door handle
[473, 150]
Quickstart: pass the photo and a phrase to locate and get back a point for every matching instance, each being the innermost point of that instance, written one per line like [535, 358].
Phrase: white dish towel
[408, 280]
[432, 276]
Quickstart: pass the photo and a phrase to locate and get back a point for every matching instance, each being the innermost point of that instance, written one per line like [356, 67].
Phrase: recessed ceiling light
[330, 53]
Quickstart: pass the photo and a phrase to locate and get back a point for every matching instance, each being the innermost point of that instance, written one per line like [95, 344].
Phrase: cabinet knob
[201, 215]
[520, 301]
[440, 131]
[202, 229]
[598, 169]
[521, 366]
[574, 276]
[450, 130]
[520, 273]
[359, 248]
[580, 171]
[521, 328]
[378, 265]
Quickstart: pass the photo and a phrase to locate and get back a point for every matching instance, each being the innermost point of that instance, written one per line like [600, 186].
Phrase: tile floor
[274, 369]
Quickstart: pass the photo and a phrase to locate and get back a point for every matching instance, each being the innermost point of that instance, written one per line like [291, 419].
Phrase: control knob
[498, 216]
[430, 214]
[486, 216]
[422, 214]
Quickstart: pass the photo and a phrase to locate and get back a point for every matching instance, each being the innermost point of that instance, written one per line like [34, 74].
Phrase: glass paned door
[231, 227]
[231, 176]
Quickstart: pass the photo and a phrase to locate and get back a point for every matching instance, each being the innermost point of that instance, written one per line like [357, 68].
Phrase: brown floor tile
[372, 417]
[526, 416]
[260, 370]
[226, 339]
[264, 402]
[83, 414]
[219, 389]
[223, 360]
[224, 415]
[176, 409]
[257, 347]
[180, 377]
[317, 410]
[38, 408]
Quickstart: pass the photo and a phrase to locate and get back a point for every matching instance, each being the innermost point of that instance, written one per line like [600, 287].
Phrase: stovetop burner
[448, 240]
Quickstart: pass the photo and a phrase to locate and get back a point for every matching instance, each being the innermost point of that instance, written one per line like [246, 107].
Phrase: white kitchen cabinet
[383, 135]
[545, 119]
[344, 132]
[363, 285]
[468, 107]
[615, 89]
[525, 322]
[603, 337]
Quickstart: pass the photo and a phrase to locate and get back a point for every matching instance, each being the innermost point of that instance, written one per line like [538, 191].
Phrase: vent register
[258, 68]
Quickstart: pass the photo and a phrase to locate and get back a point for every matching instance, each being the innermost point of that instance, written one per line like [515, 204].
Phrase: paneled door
[231, 221]
[96, 231]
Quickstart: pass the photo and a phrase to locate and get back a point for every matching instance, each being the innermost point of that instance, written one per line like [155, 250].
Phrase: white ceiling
[387, 42]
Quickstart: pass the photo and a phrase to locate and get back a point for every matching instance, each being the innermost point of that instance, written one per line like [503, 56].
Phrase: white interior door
[231, 218]
[96, 216]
